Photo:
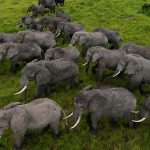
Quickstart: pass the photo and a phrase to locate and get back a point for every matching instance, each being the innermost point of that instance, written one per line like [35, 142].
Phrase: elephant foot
[56, 136]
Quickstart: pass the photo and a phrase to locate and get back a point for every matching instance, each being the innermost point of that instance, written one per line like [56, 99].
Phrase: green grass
[123, 16]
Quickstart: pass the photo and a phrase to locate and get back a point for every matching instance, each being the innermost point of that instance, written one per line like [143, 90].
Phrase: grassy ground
[125, 17]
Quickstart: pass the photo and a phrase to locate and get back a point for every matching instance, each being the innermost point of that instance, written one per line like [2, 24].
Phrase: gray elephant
[114, 103]
[48, 72]
[44, 39]
[68, 29]
[89, 39]
[63, 15]
[132, 48]
[113, 36]
[103, 58]
[50, 4]
[37, 114]
[8, 37]
[69, 52]
[40, 9]
[20, 52]
[137, 67]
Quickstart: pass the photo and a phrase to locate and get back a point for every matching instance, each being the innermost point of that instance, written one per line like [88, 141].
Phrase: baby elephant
[37, 114]
[114, 103]
[69, 52]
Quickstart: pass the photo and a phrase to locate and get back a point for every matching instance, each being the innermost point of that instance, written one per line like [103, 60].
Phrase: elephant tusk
[76, 123]
[57, 34]
[69, 116]
[0, 137]
[25, 87]
[139, 120]
[85, 64]
[18, 25]
[116, 74]
[135, 112]
[70, 44]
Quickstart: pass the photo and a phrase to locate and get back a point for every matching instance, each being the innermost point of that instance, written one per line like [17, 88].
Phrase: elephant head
[27, 20]
[33, 71]
[60, 28]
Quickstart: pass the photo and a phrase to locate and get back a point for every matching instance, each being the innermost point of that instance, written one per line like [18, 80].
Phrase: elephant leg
[113, 121]
[115, 45]
[141, 88]
[84, 50]
[40, 90]
[55, 126]
[101, 68]
[129, 117]
[94, 68]
[14, 61]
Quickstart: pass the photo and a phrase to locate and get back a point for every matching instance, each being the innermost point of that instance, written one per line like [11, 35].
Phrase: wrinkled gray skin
[114, 103]
[89, 39]
[103, 58]
[137, 68]
[63, 15]
[44, 39]
[40, 9]
[113, 36]
[131, 48]
[34, 115]
[48, 72]
[20, 52]
[8, 37]
[68, 29]
[69, 52]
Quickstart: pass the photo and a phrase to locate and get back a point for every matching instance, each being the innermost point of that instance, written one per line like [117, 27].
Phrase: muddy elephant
[48, 72]
[63, 15]
[137, 68]
[113, 102]
[40, 9]
[132, 48]
[20, 52]
[113, 36]
[89, 39]
[69, 52]
[103, 58]
[68, 29]
[38, 114]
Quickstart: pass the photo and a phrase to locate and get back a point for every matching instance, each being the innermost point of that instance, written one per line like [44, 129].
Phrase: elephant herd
[47, 64]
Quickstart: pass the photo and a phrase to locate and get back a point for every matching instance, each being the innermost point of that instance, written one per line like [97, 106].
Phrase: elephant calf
[37, 114]
[104, 58]
[89, 39]
[20, 52]
[70, 52]
[114, 103]
[131, 48]
[48, 72]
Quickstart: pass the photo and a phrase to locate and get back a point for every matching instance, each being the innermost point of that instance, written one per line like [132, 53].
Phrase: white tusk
[70, 44]
[85, 64]
[69, 116]
[139, 120]
[76, 123]
[57, 35]
[25, 87]
[116, 74]
[135, 112]
[18, 25]
[0, 137]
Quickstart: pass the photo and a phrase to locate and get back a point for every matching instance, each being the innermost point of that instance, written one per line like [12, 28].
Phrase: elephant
[69, 52]
[20, 52]
[48, 72]
[137, 68]
[44, 39]
[68, 28]
[113, 102]
[40, 9]
[63, 15]
[8, 37]
[61, 2]
[104, 58]
[132, 48]
[50, 4]
[113, 36]
[37, 114]
[88, 39]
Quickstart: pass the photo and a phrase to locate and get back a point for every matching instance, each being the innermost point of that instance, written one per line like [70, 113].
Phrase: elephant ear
[97, 102]
[43, 76]
[95, 57]
[58, 53]
[82, 40]
[12, 51]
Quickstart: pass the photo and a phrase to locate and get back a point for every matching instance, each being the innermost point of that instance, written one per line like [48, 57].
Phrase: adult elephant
[68, 29]
[48, 72]
[69, 52]
[103, 58]
[132, 48]
[89, 39]
[20, 52]
[113, 36]
[137, 67]
[44, 39]
[113, 102]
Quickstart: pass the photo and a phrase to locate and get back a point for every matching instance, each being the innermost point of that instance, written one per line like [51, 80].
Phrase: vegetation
[122, 16]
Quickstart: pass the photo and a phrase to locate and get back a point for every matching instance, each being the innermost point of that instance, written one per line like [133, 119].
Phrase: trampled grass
[123, 16]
